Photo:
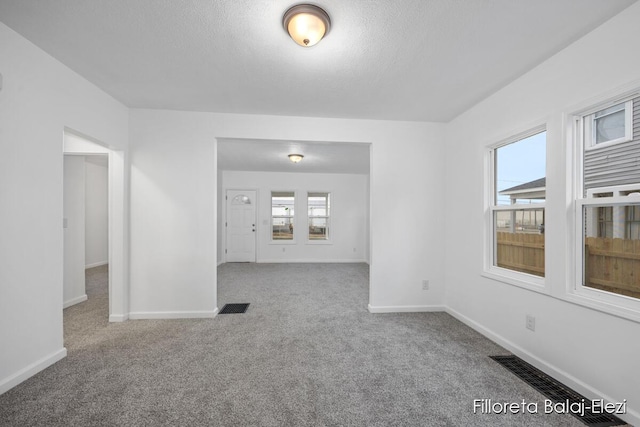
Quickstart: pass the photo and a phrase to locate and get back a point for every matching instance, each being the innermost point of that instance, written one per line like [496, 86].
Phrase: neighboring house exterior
[608, 221]
[611, 165]
[530, 220]
[612, 149]
[532, 190]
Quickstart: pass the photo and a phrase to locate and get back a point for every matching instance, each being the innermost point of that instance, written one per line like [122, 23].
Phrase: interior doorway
[85, 223]
[241, 225]
[339, 169]
[77, 145]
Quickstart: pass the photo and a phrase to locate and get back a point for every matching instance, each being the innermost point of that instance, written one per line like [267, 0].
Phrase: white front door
[241, 226]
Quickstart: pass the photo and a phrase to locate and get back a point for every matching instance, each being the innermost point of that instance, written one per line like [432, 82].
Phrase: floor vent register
[557, 392]
[234, 308]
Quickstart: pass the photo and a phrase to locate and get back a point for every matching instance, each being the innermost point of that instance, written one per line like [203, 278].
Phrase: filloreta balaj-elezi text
[598, 406]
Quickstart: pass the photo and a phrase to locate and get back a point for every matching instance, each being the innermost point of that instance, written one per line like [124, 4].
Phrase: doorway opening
[85, 223]
[94, 223]
[315, 211]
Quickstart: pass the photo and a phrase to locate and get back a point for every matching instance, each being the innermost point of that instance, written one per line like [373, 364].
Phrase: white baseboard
[117, 318]
[632, 417]
[74, 301]
[96, 264]
[173, 314]
[312, 261]
[8, 383]
[405, 308]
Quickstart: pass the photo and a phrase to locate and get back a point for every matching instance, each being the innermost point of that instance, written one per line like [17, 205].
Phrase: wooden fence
[613, 265]
[522, 252]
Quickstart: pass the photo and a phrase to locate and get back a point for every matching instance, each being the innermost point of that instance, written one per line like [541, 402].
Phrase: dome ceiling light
[307, 24]
[295, 158]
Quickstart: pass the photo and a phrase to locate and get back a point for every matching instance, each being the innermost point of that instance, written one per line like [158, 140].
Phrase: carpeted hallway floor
[306, 353]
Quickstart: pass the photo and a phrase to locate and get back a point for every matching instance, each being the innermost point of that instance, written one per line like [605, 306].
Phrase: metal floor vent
[234, 308]
[555, 391]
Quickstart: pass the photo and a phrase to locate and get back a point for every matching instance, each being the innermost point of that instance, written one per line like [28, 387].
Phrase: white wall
[74, 230]
[39, 98]
[591, 350]
[96, 214]
[349, 212]
[174, 193]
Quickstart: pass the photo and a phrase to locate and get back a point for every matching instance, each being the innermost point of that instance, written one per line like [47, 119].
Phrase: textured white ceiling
[398, 60]
[272, 156]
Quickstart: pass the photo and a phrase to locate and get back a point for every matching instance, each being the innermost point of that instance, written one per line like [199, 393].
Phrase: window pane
[519, 240]
[318, 206]
[520, 170]
[632, 223]
[612, 264]
[241, 199]
[605, 222]
[282, 228]
[607, 111]
[519, 177]
[609, 127]
[282, 205]
[282, 213]
[318, 229]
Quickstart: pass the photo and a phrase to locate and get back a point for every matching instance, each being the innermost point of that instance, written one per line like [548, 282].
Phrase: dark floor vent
[234, 308]
[555, 391]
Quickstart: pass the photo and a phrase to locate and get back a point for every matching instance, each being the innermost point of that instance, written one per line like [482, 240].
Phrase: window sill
[521, 280]
[282, 242]
[594, 300]
[319, 242]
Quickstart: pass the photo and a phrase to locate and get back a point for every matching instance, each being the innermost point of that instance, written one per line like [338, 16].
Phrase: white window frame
[590, 128]
[326, 241]
[608, 302]
[273, 241]
[491, 271]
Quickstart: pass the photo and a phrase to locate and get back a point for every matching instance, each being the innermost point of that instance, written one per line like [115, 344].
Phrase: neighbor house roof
[538, 184]
[532, 190]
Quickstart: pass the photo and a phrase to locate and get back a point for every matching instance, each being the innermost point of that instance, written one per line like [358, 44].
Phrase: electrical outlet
[531, 322]
[354, 250]
[283, 249]
[425, 285]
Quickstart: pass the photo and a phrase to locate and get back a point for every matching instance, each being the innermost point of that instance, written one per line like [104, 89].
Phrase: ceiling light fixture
[307, 24]
[295, 158]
